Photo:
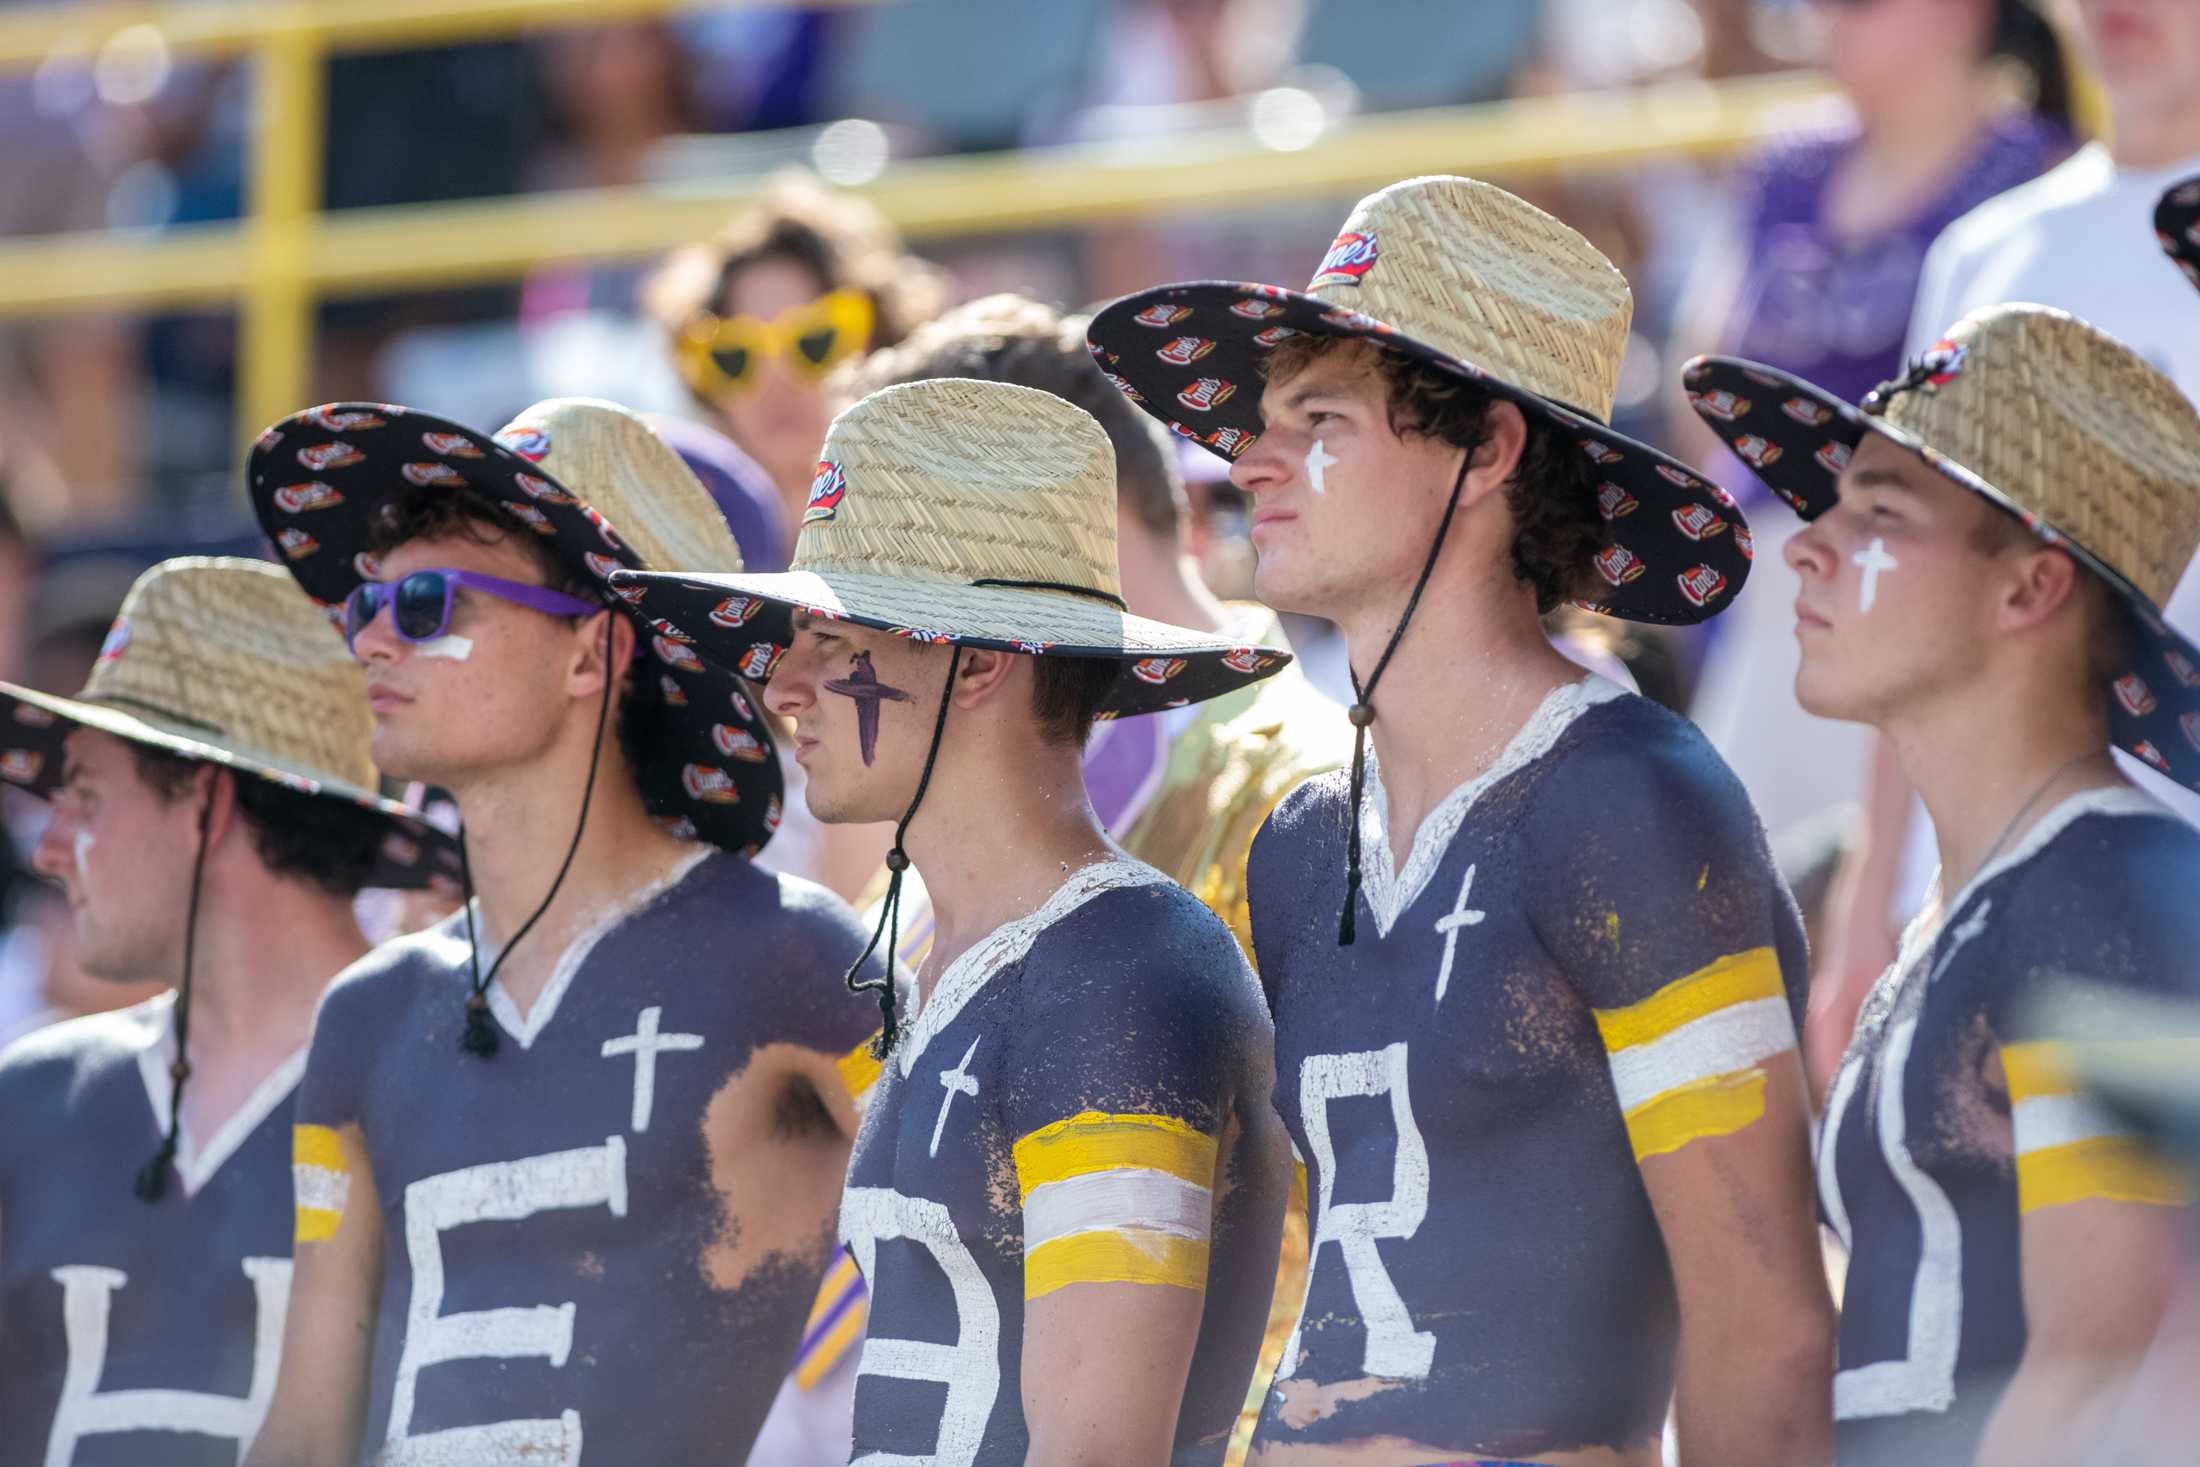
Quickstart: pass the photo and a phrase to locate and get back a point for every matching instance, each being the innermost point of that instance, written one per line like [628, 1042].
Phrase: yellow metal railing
[285, 255]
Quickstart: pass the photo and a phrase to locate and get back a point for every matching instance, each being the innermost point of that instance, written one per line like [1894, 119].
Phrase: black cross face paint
[862, 684]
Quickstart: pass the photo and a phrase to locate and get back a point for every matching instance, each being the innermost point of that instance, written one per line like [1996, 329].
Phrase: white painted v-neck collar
[526, 1029]
[1390, 893]
[967, 976]
[194, 1167]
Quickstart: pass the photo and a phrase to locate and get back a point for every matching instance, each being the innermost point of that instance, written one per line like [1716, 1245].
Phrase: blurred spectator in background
[1948, 102]
[2082, 239]
[795, 286]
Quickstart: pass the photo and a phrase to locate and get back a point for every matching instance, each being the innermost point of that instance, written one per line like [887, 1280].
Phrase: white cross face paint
[450, 644]
[85, 840]
[1318, 458]
[1874, 560]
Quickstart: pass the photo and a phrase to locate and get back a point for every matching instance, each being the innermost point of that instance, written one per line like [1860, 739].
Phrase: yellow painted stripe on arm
[2100, 1168]
[859, 1070]
[1128, 1256]
[1095, 1141]
[318, 1172]
[827, 1352]
[2038, 1067]
[1718, 1106]
[1736, 978]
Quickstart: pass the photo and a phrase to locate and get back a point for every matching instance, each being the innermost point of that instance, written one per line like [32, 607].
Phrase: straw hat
[2047, 418]
[956, 511]
[604, 492]
[2177, 225]
[1463, 275]
[225, 661]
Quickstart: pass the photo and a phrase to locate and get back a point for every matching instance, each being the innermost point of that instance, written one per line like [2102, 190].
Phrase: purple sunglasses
[420, 602]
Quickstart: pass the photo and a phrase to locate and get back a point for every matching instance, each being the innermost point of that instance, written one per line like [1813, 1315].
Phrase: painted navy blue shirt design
[1587, 961]
[1943, 1127]
[554, 1241]
[1052, 1116]
[134, 1333]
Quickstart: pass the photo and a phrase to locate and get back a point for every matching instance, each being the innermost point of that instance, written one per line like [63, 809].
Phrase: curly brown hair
[1552, 493]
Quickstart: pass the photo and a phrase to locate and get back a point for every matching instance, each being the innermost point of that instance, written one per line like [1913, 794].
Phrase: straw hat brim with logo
[605, 493]
[227, 662]
[2177, 225]
[1471, 279]
[2047, 419]
[962, 512]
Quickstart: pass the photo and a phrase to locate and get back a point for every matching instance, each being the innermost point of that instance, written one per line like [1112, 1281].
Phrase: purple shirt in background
[1836, 311]
[743, 492]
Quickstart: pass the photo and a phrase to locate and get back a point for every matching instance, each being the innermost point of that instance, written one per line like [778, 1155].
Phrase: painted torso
[1920, 1154]
[558, 1263]
[134, 1333]
[1488, 1278]
[1121, 1009]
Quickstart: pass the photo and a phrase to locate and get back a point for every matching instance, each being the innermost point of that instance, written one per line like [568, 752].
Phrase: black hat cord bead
[1362, 714]
[897, 865]
[480, 1036]
[152, 1178]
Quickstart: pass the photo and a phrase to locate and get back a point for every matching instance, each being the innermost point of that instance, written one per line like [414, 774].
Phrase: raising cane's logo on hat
[450, 445]
[827, 488]
[738, 743]
[30, 715]
[541, 490]
[1246, 660]
[758, 663]
[1256, 310]
[1745, 542]
[601, 565]
[1618, 565]
[1833, 457]
[1350, 257]
[1157, 670]
[735, 611]
[297, 544]
[341, 422]
[675, 695]
[675, 654]
[1697, 522]
[711, 785]
[2135, 695]
[1725, 406]
[1942, 364]
[1207, 394]
[298, 498]
[1759, 452]
[117, 643]
[2182, 670]
[1185, 350]
[21, 766]
[1701, 584]
[533, 518]
[321, 457]
[1161, 317]
[2145, 749]
[1614, 502]
[1809, 414]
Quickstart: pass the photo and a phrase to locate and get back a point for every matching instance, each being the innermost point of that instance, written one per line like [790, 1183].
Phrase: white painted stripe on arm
[2046, 1121]
[320, 1188]
[1111, 1201]
[1732, 1038]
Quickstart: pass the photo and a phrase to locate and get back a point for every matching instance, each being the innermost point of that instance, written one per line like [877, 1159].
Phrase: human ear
[2038, 585]
[981, 675]
[1497, 457]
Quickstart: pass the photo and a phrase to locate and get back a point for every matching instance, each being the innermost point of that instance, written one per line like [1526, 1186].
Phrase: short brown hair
[1014, 339]
[325, 842]
[1066, 694]
[1552, 493]
[840, 239]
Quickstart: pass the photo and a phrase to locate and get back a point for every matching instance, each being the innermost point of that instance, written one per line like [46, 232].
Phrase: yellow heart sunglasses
[723, 357]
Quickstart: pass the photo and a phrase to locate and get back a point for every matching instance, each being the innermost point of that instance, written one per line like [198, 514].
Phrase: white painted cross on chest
[1461, 915]
[645, 1044]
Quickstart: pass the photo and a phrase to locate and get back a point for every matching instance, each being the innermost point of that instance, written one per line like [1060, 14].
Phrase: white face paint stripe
[1130, 1197]
[450, 644]
[82, 847]
[2048, 1121]
[1318, 458]
[1874, 560]
[1725, 1040]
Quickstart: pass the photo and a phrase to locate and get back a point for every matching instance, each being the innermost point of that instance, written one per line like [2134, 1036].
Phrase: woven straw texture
[633, 478]
[1490, 279]
[230, 655]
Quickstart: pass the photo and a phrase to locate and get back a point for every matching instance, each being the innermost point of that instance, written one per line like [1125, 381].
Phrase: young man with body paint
[567, 1161]
[1990, 540]
[191, 847]
[1539, 1061]
[1067, 1191]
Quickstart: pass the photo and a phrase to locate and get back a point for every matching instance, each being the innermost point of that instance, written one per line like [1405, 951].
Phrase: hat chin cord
[480, 1034]
[897, 865]
[1363, 714]
[152, 1178]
